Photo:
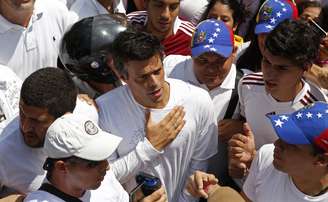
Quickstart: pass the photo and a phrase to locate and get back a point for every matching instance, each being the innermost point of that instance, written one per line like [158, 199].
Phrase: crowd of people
[214, 100]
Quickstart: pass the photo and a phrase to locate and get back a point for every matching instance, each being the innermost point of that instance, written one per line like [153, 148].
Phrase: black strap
[234, 97]
[53, 190]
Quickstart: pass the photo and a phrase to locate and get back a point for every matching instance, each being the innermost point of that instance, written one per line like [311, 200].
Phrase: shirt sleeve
[249, 187]
[126, 167]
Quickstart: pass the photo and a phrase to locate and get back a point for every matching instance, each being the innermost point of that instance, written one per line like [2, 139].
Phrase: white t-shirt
[120, 114]
[29, 49]
[87, 8]
[10, 86]
[181, 67]
[192, 10]
[21, 165]
[265, 183]
[110, 190]
[256, 103]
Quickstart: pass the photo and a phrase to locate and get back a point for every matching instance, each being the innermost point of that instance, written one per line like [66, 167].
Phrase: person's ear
[61, 166]
[308, 66]
[111, 65]
[234, 51]
[234, 28]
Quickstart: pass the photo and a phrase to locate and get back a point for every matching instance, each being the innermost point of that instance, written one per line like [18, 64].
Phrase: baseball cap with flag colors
[308, 125]
[272, 12]
[212, 36]
[73, 135]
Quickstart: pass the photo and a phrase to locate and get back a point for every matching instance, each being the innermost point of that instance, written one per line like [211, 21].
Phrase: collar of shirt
[5, 25]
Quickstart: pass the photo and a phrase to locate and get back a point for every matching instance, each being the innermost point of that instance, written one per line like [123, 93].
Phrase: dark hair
[307, 3]
[237, 7]
[50, 88]
[295, 40]
[134, 45]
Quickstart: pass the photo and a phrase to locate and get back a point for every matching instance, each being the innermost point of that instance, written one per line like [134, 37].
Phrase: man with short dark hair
[290, 50]
[45, 95]
[138, 59]
[161, 19]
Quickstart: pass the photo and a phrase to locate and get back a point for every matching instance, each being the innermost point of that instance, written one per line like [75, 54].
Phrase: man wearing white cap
[77, 151]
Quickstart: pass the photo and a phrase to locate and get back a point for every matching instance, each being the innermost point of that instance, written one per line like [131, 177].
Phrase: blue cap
[212, 36]
[308, 125]
[272, 12]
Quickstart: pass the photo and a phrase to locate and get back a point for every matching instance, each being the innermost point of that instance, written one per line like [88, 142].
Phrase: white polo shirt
[37, 45]
[10, 86]
[87, 8]
[181, 67]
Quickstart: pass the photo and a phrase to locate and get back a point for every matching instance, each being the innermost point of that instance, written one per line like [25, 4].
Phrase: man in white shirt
[31, 32]
[211, 67]
[289, 51]
[138, 59]
[295, 167]
[10, 86]
[77, 167]
[45, 95]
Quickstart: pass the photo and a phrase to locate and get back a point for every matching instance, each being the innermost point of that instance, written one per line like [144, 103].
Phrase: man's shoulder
[137, 17]
[175, 65]
[113, 97]
[42, 196]
[252, 82]
[185, 26]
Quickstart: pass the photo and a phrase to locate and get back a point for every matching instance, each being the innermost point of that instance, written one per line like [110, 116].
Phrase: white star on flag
[217, 24]
[278, 14]
[207, 46]
[269, 26]
[284, 118]
[218, 29]
[211, 40]
[215, 34]
[309, 115]
[299, 115]
[273, 20]
[278, 123]
[319, 115]
[213, 49]
[284, 9]
[276, 1]
[326, 111]
[282, 4]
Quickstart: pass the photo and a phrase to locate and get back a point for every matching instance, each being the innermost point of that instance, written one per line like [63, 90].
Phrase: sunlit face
[161, 15]
[282, 78]
[146, 82]
[211, 69]
[222, 12]
[34, 123]
[294, 160]
[311, 12]
[86, 175]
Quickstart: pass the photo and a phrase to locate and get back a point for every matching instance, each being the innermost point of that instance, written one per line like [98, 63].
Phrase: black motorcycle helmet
[85, 46]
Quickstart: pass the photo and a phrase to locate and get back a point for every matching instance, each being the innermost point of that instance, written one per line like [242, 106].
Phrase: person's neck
[108, 5]
[289, 94]
[160, 35]
[21, 18]
[311, 185]
[62, 184]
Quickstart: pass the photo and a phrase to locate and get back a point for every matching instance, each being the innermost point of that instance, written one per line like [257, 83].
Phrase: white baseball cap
[73, 135]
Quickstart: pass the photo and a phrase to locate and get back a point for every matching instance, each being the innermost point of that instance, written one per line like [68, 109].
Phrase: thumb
[247, 130]
[148, 121]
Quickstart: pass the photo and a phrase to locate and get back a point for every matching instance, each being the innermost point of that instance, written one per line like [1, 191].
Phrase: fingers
[199, 182]
[247, 129]
[157, 196]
